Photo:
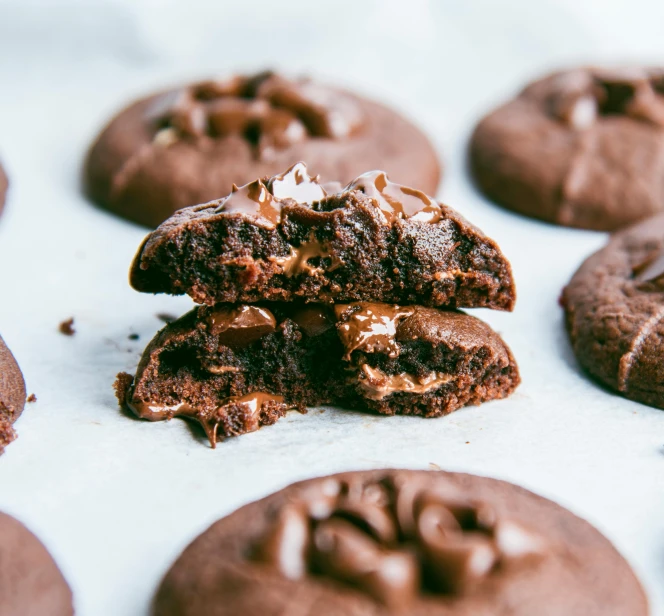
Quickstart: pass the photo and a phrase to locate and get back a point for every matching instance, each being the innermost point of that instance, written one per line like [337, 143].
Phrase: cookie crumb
[67, 327]
[166, 317]
[122, 384]
[31, 398]
[133, 336]
[434, 467]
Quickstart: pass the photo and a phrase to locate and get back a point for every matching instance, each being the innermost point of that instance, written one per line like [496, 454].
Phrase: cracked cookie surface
[614, 306]
[580, 148]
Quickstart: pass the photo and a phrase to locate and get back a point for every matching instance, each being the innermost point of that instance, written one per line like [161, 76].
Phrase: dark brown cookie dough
[415, 543]
[289, 238]
[614, 307]
[12, 395]
[4, 184]
[30, 582]
[581, 148]
[236, 368]
[189, 145]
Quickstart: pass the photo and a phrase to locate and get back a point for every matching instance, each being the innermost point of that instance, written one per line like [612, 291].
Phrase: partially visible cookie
[191, 144]
[416, 543]
[288, 237]
[236, 368]
[4, 184]
[12, 395]
[614, 307]
[30, 582]
[581, 148]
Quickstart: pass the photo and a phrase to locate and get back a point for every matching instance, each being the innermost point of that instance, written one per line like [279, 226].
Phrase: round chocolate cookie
[30, 582]
[4, 184]
[581, 148]
[614, 306]
[12, 395]
[412, 543]
[190, 145]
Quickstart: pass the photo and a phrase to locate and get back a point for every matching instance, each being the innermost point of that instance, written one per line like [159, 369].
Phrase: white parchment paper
[116, 499]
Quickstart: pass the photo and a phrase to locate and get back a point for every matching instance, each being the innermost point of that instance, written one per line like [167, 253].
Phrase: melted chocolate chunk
[253, 201]
[378, 385]
[239, 326]
[396, 201]
[370, 327]
[583, 96]
[296, 184]
[396, 540]
[241, 411]
[267, 110]
[314, 320]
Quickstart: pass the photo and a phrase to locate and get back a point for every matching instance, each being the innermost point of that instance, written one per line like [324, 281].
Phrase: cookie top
[614, 306]
[581, 148]
[189, 145]
[289, 237]
[30, 582]
[4, 184]
[401, 542]
[12, 395]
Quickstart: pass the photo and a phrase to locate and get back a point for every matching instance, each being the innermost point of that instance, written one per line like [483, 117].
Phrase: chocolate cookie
[415, 543]
[581, 148]
[12, 395]
[236, 368]
[30, 582]
[189, 145]
[614, 306]
[4, 184]
[290, 238]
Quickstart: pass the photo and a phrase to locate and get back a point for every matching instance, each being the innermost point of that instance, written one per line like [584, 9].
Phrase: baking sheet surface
[116, 499]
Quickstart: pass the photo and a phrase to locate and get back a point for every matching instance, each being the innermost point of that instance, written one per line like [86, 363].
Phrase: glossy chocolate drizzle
[268, 111]
[581, 97]
[394, 539]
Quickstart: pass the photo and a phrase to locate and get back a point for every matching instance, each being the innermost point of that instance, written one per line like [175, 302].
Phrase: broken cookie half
[289, 238]
[235, 368]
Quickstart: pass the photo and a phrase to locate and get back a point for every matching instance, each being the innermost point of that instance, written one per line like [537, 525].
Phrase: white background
[116, 499]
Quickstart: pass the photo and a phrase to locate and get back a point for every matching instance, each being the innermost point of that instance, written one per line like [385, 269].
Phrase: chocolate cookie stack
[317, 294]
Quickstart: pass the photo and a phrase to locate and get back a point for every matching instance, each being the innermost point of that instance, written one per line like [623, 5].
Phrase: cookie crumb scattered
[133, 336]
[67, 327]
[166, 317]
[32, 398]
[122, 384]
[433, 466]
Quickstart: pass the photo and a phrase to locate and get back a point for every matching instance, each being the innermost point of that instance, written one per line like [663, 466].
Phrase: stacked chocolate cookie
[317, 294]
